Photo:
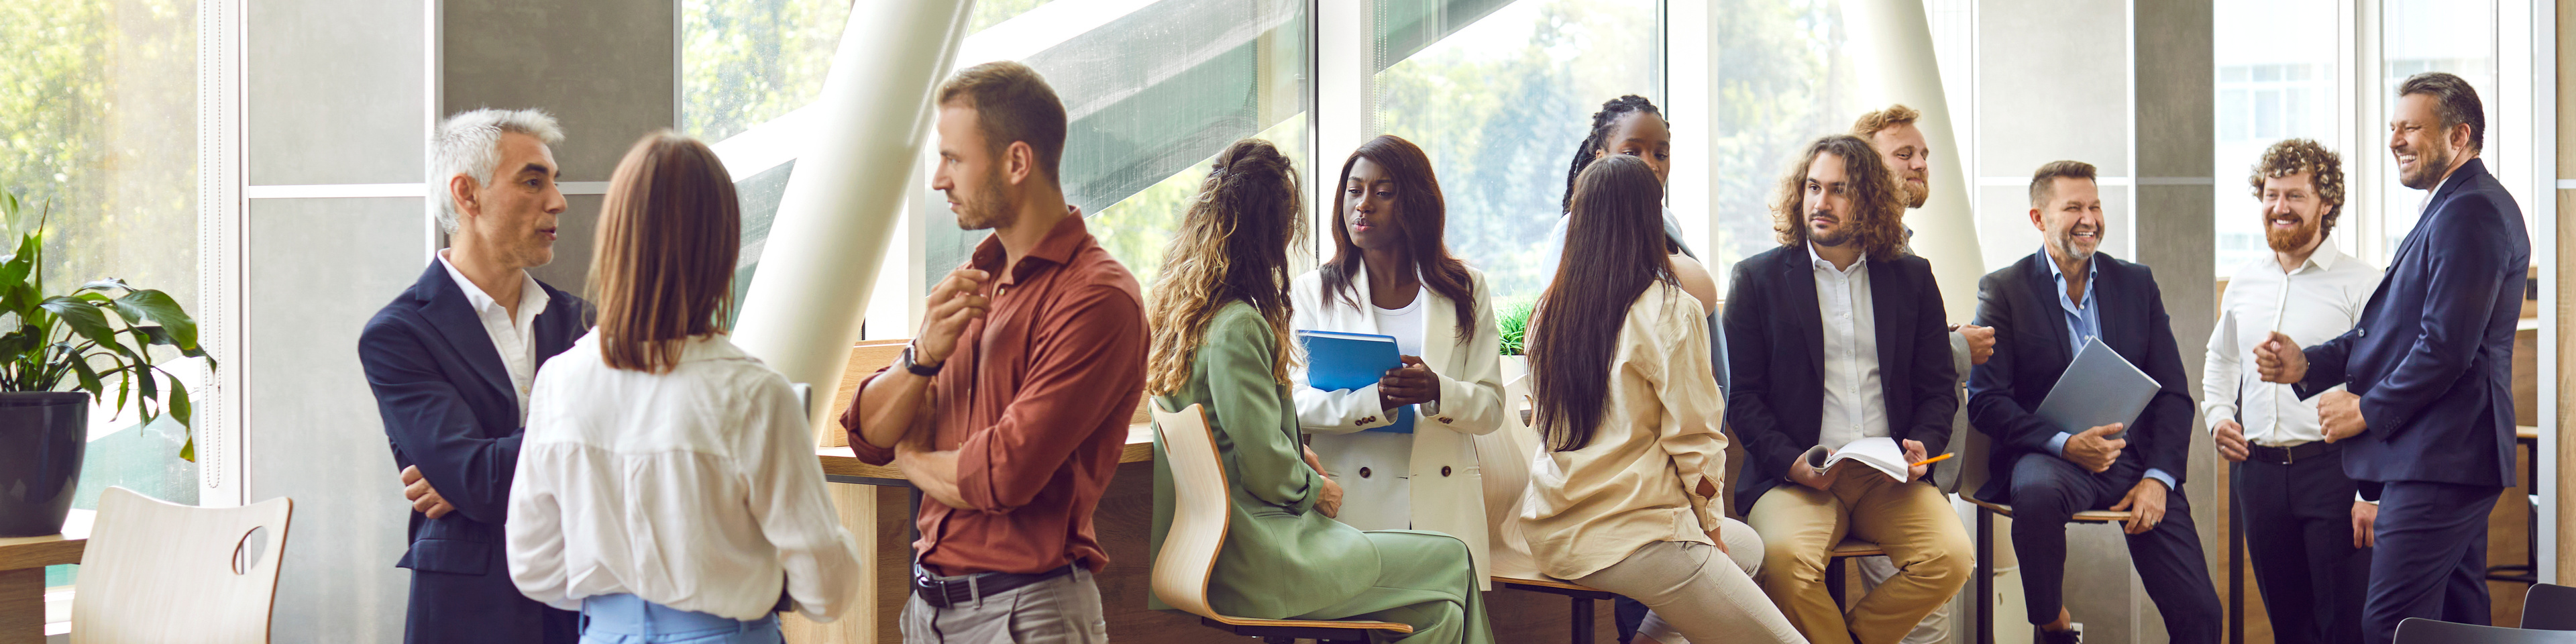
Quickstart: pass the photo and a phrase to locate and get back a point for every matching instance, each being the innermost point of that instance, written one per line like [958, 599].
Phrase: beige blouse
[1638, 481]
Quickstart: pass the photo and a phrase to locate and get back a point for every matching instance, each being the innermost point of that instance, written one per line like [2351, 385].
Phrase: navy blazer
[2434, 368]
[450, 409]
[2032, 350]
[1778, 360]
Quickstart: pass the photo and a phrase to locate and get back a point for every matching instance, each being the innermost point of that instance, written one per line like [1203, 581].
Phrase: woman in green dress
[1220, 339]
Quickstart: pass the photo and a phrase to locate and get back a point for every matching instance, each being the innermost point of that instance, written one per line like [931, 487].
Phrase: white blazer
[1446, 489]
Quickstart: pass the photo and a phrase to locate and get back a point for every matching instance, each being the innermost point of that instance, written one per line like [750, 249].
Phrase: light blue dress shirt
[2083, 324]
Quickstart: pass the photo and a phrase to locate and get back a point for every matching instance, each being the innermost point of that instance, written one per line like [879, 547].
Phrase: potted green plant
[60, 351]
[1514, 325]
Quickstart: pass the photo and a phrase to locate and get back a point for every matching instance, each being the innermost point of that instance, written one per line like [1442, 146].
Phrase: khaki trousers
[1913, 521]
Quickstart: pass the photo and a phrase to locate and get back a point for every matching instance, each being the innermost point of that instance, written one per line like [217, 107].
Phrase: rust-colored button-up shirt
[1036, 401]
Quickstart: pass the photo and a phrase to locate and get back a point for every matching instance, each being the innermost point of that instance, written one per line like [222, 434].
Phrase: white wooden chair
[157, 571]
[1201, 511]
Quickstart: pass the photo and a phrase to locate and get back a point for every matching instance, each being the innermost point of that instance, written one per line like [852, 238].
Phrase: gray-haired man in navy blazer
[2428, 421]
[451, 361]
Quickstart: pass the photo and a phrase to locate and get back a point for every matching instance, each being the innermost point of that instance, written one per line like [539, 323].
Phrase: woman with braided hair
[1631, 126]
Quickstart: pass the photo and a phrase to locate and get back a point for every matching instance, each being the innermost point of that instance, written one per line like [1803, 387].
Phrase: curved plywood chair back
[1199, 510]
[161, 572]
[1504, 456]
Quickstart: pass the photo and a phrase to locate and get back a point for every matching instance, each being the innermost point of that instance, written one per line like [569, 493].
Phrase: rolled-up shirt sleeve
[1086, 365]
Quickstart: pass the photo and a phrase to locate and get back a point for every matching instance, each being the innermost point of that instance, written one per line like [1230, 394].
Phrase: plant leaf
[85, 318]
[154, 305]
[161, 335]
[80, 368]
[180, 409]
[105, 284]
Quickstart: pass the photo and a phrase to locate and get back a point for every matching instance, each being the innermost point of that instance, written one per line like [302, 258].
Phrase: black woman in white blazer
[1430, 479]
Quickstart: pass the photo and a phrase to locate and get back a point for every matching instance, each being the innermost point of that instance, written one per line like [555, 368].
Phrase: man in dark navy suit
[2427, 416]
[451, 361]
[2044, 309]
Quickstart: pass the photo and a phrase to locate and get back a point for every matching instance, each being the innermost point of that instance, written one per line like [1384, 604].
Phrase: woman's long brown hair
[662, 269]
[1426, 219]
[1614, 251]
[1232, 245]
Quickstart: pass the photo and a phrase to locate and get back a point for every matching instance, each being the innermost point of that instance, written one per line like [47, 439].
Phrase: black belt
[943, 593]
[2291, 454]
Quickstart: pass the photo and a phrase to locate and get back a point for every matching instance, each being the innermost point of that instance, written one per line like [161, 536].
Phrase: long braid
[1602, 121]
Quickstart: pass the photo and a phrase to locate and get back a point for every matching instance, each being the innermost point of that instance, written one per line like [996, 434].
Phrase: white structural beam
[1892, 41]
[804, 307]
[1343, 102]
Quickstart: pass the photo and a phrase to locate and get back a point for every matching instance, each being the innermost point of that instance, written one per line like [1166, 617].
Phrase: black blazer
[1778, 360]
[450, 409]
[2031, 350]
[2432, 357]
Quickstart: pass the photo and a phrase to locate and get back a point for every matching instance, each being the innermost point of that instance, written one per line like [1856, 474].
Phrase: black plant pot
[42, 436]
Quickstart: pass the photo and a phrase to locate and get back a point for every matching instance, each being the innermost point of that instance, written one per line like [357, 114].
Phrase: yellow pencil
[1935, 459]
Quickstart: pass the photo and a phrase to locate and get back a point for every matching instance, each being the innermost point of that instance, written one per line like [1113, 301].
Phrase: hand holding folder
[1338, 361]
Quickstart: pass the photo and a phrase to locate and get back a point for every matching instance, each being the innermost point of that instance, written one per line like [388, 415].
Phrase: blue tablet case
[1337, 361]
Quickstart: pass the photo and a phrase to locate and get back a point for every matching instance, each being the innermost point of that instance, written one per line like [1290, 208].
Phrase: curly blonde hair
[1232, 245]
[1878, 202]
[1895, 115]
[2324, 168]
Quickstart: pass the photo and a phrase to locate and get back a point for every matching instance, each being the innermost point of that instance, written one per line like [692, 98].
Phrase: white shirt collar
[532, 297]
[2325, 257]
[1820, 262]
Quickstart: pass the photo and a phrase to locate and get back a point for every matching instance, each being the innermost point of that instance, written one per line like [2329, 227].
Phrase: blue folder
[1337, 361]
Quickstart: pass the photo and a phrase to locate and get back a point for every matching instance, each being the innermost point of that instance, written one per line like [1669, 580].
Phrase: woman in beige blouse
[1626, 498]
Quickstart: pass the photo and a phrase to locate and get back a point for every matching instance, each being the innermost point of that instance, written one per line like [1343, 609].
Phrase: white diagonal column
[803, 308]
[1892, 41]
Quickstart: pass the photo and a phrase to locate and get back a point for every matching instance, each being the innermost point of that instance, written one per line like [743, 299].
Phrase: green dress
[1282, 559]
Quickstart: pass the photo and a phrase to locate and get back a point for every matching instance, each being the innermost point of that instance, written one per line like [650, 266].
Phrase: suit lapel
[1798, 276]
[2052, 316]
[1890, 317]
[558, 326]
[2111, 294]
[1438, 313]
[448, 311]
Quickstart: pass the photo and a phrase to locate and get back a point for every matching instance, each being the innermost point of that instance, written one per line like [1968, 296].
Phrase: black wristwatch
[915, 367]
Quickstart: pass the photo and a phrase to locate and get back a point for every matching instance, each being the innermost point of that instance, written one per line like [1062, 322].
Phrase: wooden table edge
[841, 464]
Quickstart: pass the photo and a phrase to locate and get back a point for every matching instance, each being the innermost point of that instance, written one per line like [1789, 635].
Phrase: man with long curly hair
[1842, 343]
[2045, 308]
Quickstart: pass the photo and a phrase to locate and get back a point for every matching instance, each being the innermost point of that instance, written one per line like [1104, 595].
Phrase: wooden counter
[841, 465]
[22, 582]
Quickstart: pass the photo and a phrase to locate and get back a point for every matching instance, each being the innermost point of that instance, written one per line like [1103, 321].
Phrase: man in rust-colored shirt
[1011, 406]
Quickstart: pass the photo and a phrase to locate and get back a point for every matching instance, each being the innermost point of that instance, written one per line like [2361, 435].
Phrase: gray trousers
[1063, 610]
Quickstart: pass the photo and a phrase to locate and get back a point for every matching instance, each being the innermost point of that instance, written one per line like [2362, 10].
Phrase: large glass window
[2418, 36]
[1785, 81]
[2276, 80]
[1500, 101]
[1152, 91]
[98, 112]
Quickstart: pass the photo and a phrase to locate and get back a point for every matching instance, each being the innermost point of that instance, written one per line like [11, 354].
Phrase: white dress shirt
[696, 489]
[514, 338]
[1855, 401]
[2316, 303]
